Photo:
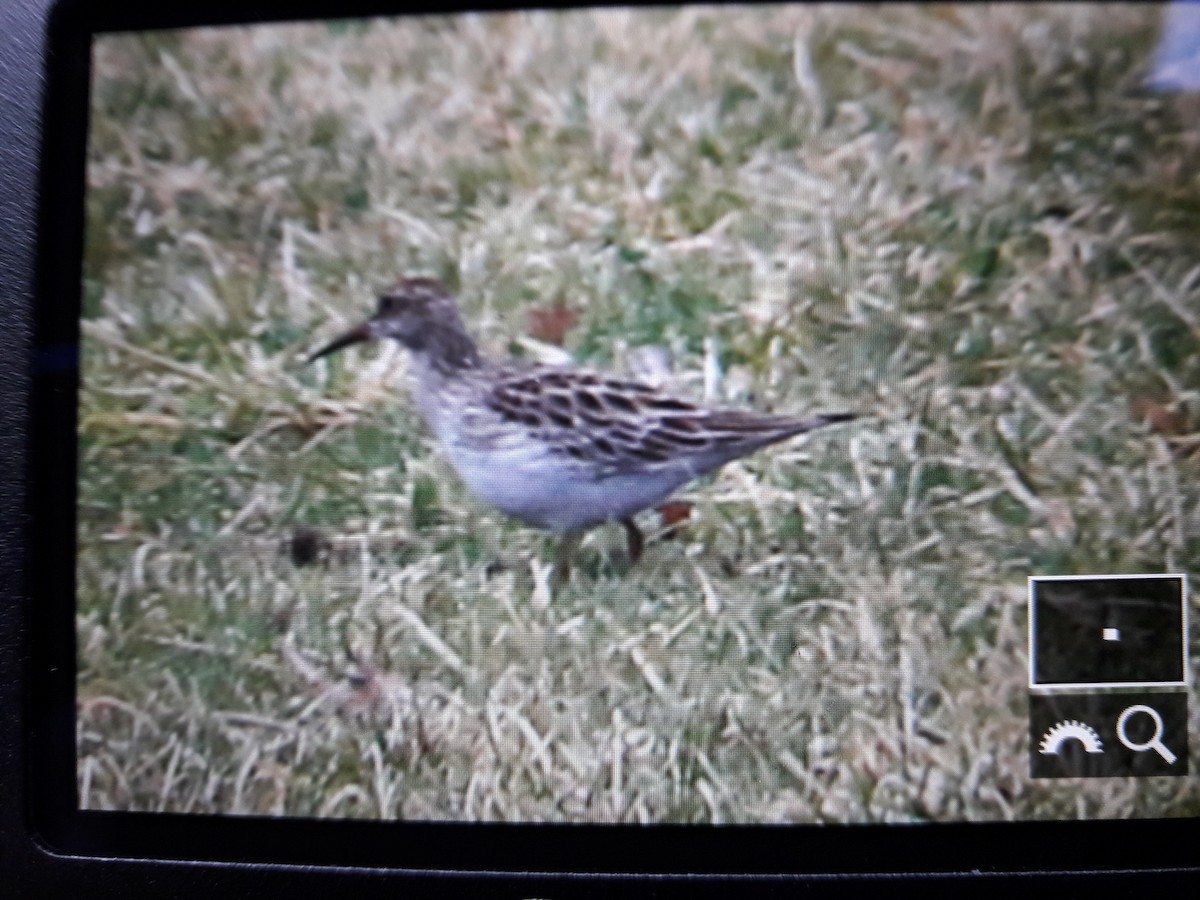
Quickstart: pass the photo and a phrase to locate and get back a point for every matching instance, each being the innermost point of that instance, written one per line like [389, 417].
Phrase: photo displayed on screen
[682, 415]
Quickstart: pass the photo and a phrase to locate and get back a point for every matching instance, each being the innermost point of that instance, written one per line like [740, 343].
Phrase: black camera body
[256, 637]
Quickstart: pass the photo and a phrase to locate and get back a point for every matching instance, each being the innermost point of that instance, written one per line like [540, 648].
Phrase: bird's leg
[636, 542]
[567, 546]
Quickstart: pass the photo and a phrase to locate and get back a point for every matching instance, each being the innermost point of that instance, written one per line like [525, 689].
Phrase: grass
[973, 226]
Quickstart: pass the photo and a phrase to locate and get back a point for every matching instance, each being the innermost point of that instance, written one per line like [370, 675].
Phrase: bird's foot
[562, 559]
[592, 564]
[635, 541]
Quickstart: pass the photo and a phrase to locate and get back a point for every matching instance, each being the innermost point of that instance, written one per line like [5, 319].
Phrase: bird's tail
[793, 427]
[748, 432]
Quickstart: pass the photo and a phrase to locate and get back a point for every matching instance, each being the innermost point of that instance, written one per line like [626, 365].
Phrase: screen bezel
[1017, 847]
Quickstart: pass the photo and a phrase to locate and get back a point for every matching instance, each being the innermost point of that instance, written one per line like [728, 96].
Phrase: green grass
[974, 227]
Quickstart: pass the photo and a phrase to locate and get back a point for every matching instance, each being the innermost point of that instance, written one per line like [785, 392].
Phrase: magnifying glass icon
[1155, 743]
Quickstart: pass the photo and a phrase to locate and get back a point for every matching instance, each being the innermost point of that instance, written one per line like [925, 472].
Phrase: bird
[557, 447]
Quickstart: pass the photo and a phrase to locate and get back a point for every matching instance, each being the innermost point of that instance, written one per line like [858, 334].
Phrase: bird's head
[421, 315]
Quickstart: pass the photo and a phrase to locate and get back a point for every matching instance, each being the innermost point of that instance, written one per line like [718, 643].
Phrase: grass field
[975, 227]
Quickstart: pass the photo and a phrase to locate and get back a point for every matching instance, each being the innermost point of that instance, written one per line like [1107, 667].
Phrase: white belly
[548, 492]
[531, 484]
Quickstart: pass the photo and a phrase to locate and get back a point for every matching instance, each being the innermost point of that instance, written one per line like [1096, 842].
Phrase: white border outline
[1062, 685]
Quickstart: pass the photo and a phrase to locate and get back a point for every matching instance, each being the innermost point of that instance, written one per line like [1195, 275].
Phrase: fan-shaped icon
[1069, 729]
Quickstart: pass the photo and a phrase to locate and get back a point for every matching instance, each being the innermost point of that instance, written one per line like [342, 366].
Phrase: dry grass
[973, 226]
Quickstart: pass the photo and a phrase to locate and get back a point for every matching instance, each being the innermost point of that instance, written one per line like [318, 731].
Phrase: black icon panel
[1107, 631]
[1134, 734]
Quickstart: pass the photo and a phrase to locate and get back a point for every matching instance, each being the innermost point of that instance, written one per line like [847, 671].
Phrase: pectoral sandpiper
[557, 447]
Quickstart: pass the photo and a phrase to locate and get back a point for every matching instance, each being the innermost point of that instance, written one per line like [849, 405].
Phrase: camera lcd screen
[682, 416]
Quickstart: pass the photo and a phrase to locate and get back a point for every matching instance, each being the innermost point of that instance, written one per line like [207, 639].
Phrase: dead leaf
[551, 324]
[1160, 417]
[673, 514]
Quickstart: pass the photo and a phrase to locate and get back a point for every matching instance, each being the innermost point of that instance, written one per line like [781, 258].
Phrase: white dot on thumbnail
[1112, 634]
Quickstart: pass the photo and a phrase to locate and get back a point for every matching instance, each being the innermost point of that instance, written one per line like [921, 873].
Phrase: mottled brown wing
[623, 426]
